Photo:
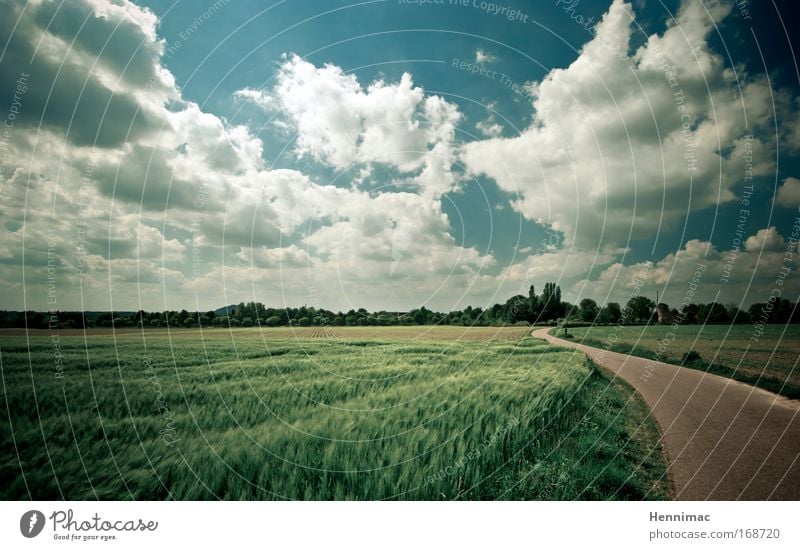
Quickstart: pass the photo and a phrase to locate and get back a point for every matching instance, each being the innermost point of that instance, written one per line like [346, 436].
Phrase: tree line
[546, 308]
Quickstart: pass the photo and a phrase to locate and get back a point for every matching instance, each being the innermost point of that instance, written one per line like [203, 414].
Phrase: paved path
[724, 440]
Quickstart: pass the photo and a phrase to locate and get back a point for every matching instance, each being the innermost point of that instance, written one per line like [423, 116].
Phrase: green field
[360, 413]
[769, 361]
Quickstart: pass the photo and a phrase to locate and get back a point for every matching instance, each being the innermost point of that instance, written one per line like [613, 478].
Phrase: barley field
[405, 413]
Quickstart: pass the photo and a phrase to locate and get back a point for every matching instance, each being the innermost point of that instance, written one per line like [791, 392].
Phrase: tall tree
[550, 302]
[534, 307]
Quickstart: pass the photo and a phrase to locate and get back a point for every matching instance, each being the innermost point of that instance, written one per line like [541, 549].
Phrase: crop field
[408, 333]
[366, 413]
[770, 361]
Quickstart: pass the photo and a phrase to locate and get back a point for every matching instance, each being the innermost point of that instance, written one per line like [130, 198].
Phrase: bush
[691, 356]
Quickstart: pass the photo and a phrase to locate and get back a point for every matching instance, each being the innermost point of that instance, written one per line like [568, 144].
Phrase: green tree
[713, 313]
[689, 314]
[534, 305]
[738, 316]
[516, 309]
[589, 310]
[639, 309]
[779, 310]
[610, 314]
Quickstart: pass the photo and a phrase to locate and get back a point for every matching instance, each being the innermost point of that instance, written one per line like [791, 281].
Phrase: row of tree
[546, 308]
[641, 309]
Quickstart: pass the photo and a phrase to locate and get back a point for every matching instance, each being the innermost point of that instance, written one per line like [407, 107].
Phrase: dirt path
[724, 440]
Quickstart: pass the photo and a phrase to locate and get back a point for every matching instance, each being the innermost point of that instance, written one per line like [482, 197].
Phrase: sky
[393, 154]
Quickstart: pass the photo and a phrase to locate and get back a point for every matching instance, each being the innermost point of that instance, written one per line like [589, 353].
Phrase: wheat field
[429, 414]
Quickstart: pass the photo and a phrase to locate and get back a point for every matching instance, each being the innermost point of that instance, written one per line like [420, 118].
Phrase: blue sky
[224, 165]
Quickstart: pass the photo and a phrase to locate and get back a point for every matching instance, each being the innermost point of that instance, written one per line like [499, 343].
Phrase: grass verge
[765, 377]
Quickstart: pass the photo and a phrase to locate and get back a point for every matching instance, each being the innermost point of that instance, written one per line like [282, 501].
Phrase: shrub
[691, 356]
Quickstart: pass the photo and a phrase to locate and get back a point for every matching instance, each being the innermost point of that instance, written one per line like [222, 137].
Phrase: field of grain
[388, 413]
[406, 333]
[769, 360]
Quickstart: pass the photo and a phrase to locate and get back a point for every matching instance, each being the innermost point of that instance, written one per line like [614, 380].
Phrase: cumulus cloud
[145, 200]
[789, 193]
[342, 123]
[625, 144]
[108, 169]
[153, 199]
[765, 240]
[745, 275]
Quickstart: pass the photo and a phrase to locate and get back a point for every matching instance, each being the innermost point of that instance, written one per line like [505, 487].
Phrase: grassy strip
[612, 451]
[778, 386]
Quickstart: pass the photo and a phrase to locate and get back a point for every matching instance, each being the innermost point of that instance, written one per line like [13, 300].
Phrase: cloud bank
[119, 192]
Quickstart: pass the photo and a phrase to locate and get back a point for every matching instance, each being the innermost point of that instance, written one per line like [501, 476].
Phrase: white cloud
[765, 240]
[789, 193]
[489, 128]
[288, 257]
[746, 275]
[159, 199]
[343, 124]
[605, 157]
[482, 57]
[183, 202]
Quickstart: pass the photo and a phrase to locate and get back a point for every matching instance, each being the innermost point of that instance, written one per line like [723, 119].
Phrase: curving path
[724, 440]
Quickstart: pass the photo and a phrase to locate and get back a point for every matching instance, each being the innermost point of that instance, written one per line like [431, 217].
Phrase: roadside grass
[239, 418]
[769, 362]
